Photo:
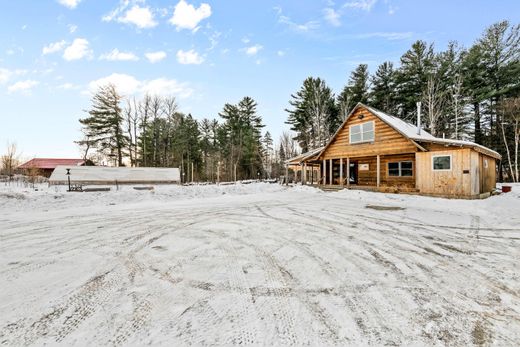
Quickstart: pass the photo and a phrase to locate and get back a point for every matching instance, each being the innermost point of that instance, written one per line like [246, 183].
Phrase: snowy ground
[257, 264]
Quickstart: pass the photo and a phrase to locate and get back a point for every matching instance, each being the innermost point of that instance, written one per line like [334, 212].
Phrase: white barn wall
[111, 175]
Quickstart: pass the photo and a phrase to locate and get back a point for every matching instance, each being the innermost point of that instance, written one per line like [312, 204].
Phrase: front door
[353, 179]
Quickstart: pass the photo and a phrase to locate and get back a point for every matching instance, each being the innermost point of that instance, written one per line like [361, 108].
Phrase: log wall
[386, 139]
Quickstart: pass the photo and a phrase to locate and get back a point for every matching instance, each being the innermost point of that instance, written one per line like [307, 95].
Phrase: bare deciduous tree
[10, 159]
[511, 116]
[434, 100]
[457, 95]
[288, 144]
[131, 113]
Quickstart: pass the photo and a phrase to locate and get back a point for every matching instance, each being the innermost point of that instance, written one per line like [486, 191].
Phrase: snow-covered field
[257, 264]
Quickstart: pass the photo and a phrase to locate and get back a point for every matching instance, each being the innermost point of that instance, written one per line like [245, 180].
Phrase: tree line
[466, 93]
[152, 132]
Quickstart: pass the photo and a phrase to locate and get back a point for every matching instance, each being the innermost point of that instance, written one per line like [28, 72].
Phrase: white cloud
[54, 47]
[125, 84]
[280, 53]
[364, 5]
[301, 28]
[386, 35]
[214, 39]
[116, 55]
[154, 57]
[5, 74]
[253, 50]
[129, 85]
[69, 3]
[68, 86]
[189, 57]
[165, 87]
[142, 17]
[72, 28]
[77, 50]
[22, 86]
[186, 16]
[332, 17]
[246, 40]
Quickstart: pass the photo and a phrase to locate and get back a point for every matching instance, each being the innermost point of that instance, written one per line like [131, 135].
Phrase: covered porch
[378, 172]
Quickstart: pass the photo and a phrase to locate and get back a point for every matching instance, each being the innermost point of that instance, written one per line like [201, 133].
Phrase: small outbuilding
[45, 166]
[374, 150]
[103, 175]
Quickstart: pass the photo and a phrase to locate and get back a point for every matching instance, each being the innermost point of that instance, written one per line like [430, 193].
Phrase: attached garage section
[461, 172]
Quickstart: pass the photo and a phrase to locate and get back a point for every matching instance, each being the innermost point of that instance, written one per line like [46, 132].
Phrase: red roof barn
[46, 166]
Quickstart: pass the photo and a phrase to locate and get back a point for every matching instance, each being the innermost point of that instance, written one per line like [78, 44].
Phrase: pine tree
[267, 142]
[104, 126]
[314, 115]
[355, 91]
[383, 94]
[474, 87]
[412, 78]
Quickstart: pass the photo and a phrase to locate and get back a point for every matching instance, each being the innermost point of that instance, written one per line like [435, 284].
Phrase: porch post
[304, 174]
[341, 171]
[348, 172]
[312, 174]
[378, 169]
[324, 177]
[330, 173]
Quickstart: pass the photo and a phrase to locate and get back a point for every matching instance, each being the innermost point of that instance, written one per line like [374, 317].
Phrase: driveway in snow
[258, 264]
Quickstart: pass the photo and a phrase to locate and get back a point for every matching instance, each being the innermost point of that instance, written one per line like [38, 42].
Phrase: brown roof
[50, 163]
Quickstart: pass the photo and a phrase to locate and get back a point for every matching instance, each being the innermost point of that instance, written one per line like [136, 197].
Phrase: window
[363, 132]
[441, 162]
[400, 169]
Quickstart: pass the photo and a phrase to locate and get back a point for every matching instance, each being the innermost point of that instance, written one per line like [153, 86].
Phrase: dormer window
[363, 132]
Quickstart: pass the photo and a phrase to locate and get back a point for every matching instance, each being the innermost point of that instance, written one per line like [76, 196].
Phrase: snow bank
[19, 197]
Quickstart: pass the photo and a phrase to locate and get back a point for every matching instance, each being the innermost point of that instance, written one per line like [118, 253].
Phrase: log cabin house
[376, 151]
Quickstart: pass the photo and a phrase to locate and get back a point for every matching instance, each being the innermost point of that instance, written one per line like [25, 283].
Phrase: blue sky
[206, 53]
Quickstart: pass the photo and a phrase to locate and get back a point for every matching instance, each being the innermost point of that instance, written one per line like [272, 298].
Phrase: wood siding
[487, 174]
[393, 181]
[453, 182]
[386, 139]
[469, 176]
[369, 177]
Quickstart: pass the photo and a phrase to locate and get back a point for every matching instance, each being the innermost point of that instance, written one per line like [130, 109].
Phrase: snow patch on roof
[100, 174]
[410, 131]
[407, 129]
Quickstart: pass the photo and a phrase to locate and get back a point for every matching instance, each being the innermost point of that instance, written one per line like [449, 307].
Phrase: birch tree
[511, 119]
[434, 101]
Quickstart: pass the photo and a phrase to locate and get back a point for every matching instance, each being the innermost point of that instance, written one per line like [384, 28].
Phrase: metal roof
[50, 163]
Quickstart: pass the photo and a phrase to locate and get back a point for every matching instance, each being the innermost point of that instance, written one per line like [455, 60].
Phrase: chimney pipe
[418, 118]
